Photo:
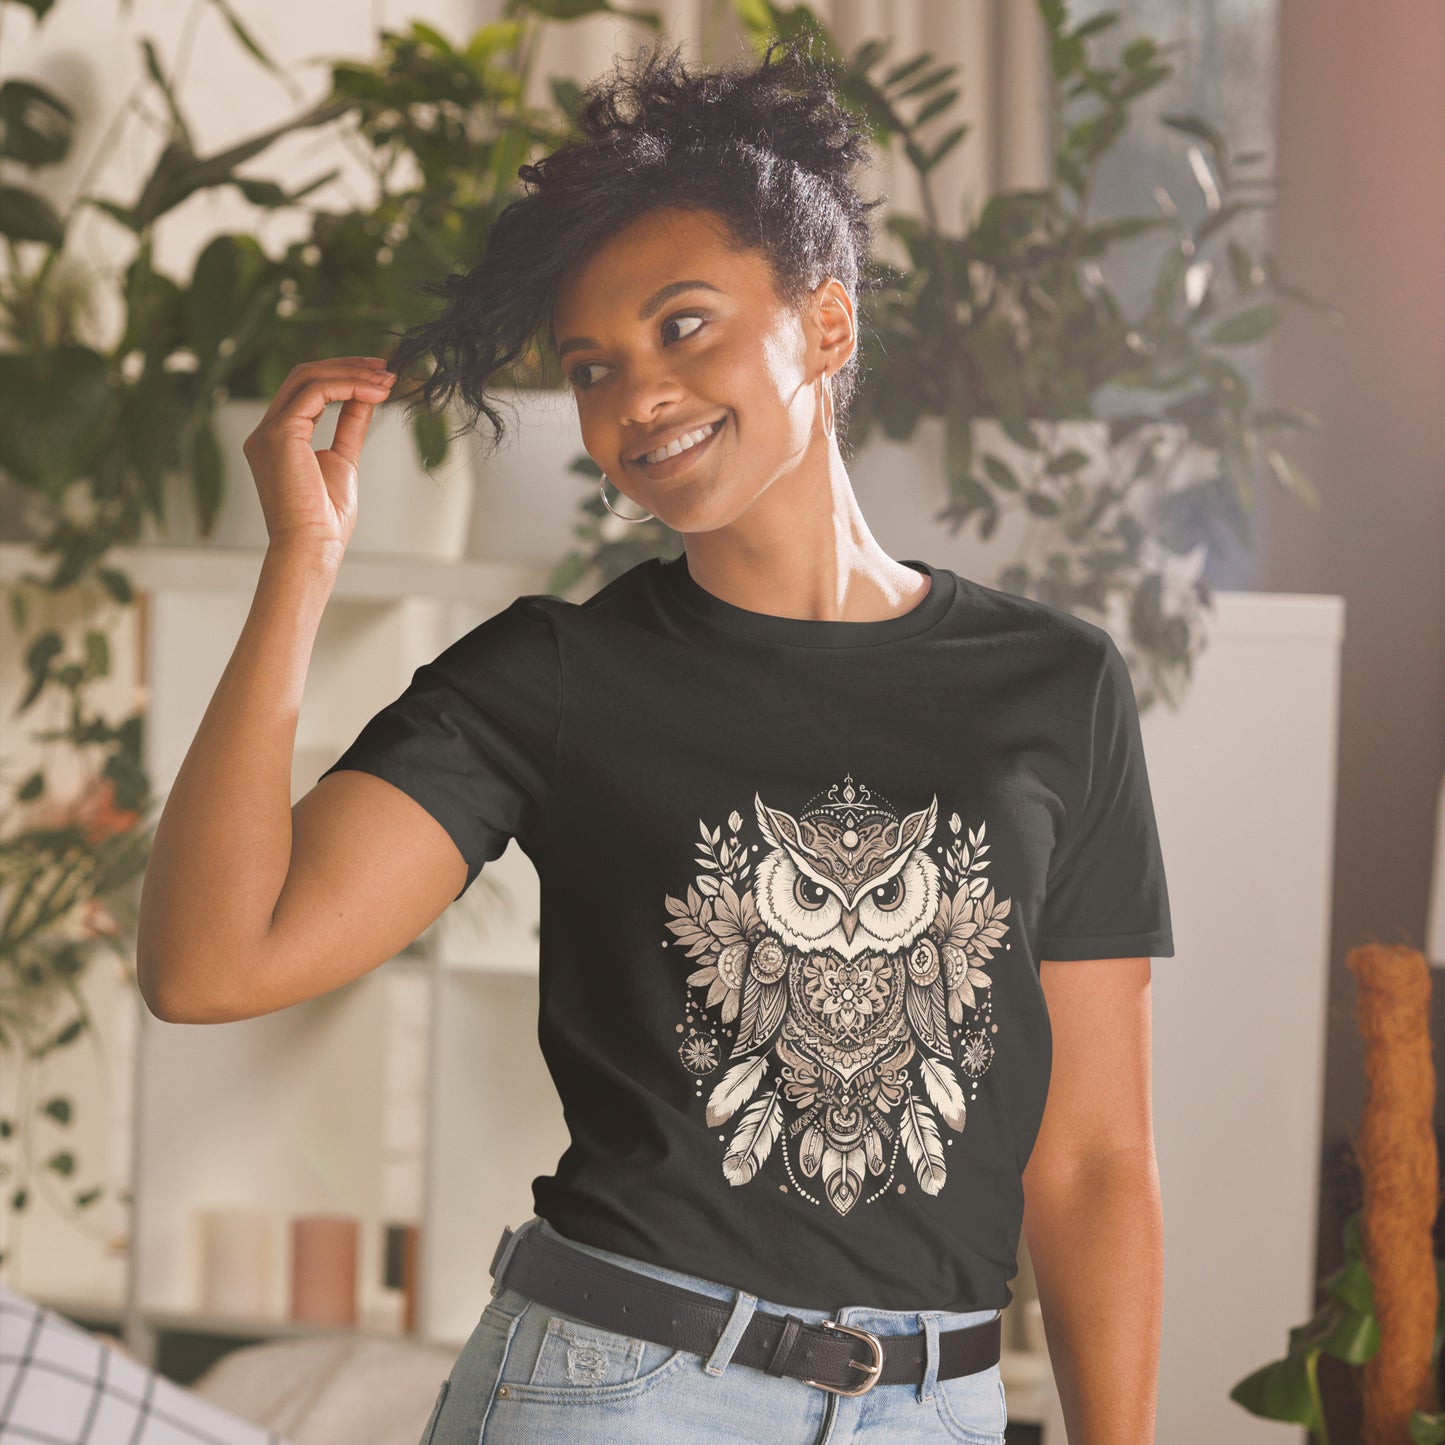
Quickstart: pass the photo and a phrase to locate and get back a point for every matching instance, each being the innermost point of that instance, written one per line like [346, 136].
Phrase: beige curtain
[997, 44]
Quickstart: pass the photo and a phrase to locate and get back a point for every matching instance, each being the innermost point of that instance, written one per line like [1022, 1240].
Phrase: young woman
[808, 821]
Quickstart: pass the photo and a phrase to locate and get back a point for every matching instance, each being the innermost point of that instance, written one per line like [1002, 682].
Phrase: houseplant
[1346, 1327]
[1007, 334]
[443, 127]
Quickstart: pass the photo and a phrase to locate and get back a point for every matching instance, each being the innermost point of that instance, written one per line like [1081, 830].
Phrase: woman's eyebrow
[647, 311]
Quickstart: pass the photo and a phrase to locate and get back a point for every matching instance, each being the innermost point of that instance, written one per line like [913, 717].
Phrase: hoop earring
[830, 425]
[602, 491]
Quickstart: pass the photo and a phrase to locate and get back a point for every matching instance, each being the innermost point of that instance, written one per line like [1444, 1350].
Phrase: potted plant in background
[443, 128]
[1006, 355]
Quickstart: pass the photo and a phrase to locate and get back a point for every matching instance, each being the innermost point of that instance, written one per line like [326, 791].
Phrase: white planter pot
[527, 499]
[403, 509]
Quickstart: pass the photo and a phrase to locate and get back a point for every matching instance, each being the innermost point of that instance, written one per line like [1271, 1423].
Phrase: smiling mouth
[717, 427]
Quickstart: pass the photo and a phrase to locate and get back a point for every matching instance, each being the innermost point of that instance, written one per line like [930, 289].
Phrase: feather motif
[923, 1143]
[735, 1088]
[764, 1005]
[943, 1088]
[928, 1012]
[753, 1141]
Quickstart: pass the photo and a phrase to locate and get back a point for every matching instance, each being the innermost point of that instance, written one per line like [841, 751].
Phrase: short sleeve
[1106, 895]
[473, 736]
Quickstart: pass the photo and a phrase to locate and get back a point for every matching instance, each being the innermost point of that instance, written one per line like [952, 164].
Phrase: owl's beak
[850, 923]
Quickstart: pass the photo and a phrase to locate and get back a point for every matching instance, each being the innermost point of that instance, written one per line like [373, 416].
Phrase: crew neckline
[768, 627]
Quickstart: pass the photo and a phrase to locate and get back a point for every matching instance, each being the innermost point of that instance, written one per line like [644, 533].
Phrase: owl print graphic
[838, 998]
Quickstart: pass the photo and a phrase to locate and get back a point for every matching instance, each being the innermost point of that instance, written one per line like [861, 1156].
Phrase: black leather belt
[827, 1355]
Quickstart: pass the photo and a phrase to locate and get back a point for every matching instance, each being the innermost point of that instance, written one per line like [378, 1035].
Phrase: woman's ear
[835, 333]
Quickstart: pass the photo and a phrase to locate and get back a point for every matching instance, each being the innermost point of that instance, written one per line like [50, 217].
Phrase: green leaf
[1041, 505]
[1291, 477]
[54, 409]
[58, 1109]
[945, 145]
[1097, 23]
[97, 652]
[1250, 325]
[1067, 461]
[207, 472]
[28, 216]
[1200, 129]
[245, 37]
[871, 52]
[1427, 1428]
[958, 436]
[116, 583]
[900, 73]
[938, 104]
[1280, 1391]
[429, 430]
[1285, 416]
[37, 127]
[1139, 53]
[1000, 473]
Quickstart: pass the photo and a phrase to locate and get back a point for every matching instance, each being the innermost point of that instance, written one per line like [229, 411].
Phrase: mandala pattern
[842, 969]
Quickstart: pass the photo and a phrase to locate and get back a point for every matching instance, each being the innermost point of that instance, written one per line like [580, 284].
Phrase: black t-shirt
[796, 878]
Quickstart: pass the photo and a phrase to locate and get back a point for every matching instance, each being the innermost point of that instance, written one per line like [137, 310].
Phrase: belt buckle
[872, 1370]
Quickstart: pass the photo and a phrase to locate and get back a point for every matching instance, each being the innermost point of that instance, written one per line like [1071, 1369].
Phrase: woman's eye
[673, 319]
[577, 376]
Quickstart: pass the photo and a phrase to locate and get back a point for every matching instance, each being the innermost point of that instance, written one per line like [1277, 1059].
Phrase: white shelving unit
[376, 1100]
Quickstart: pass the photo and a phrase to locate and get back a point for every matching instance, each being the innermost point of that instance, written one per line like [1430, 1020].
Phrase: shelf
[186, 1322]
[234, 569]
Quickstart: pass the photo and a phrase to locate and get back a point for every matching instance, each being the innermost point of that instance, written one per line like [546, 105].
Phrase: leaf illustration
[944, 1089]
[753, 1142]
[925, 1147]
[735, 1088]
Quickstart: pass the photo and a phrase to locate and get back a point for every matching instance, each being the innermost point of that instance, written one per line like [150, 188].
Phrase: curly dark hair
[765, 147]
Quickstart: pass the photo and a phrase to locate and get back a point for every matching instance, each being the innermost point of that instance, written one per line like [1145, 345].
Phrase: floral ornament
[969, 928]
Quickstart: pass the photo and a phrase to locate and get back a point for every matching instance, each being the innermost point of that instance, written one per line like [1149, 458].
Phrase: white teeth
[682, 443]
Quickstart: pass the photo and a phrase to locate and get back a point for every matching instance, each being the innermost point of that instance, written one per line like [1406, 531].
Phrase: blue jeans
[529, 1375]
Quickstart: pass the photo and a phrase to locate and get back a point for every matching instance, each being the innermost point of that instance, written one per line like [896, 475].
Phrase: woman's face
[650, 359]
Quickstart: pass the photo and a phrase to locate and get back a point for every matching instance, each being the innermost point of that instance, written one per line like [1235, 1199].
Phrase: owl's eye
[810, 895]
[889, 895]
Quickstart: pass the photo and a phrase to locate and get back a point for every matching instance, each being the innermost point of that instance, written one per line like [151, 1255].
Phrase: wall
[1362, 209]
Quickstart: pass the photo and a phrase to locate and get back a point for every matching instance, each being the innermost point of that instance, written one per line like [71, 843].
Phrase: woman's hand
[309, 497]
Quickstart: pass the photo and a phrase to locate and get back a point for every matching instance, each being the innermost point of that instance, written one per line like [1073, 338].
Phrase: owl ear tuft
[765, 826]
[922, 823]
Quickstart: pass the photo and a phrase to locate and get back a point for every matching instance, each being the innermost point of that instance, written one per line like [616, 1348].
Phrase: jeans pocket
[561, 1358]
[972, 1407]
